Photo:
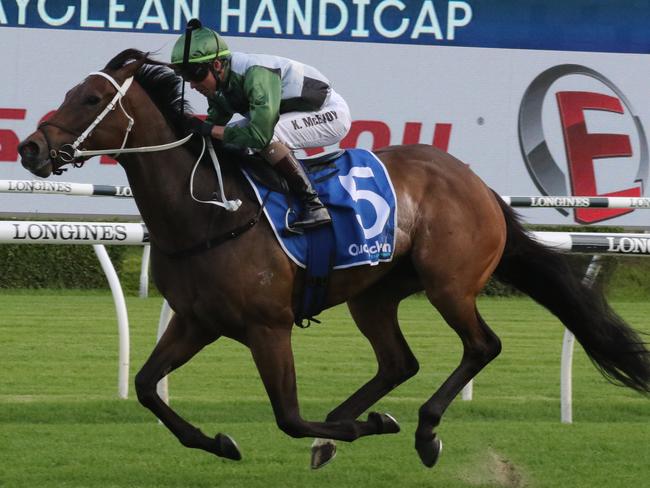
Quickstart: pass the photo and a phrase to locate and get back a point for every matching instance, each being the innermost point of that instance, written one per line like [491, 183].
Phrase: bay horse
[453, 233]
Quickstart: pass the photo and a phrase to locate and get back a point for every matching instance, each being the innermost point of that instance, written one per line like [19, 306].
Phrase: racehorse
[224, 273]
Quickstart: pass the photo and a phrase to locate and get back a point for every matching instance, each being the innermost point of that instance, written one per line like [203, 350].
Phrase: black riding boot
[314, 213]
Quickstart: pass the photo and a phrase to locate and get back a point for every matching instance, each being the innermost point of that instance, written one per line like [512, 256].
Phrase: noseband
[63, 153]
[68, 153]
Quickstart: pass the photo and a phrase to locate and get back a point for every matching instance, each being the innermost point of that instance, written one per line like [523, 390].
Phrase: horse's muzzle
[34, 155]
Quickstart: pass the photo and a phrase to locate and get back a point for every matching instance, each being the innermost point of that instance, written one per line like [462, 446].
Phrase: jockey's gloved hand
[198, 126]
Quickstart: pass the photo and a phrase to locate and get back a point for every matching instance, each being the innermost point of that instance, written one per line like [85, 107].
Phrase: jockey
[286, 105]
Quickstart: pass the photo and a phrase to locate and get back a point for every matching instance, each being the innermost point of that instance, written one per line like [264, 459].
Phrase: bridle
[70, 153]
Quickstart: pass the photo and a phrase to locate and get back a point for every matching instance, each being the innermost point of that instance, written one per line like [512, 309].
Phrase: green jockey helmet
[206, 45]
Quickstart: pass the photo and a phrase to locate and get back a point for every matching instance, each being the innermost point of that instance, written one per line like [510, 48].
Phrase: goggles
[195, 72]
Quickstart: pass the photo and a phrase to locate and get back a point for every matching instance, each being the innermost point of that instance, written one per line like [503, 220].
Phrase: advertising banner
[538, 97]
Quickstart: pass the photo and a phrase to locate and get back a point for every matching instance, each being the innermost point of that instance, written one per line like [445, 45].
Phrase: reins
[69, 155]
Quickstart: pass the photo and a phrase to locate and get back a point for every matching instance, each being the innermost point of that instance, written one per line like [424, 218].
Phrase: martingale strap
[221, 238]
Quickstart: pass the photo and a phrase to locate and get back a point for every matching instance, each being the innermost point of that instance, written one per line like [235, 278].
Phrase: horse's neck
[161, 188]
[160, 183]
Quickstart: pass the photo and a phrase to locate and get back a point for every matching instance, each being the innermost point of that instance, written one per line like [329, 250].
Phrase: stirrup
[298, 227]
[306, 224]
[289, 229]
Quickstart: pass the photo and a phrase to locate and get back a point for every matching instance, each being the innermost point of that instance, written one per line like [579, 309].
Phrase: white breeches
[324, 127]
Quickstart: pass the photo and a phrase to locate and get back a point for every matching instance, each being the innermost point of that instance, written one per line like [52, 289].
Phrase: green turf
[61, 423]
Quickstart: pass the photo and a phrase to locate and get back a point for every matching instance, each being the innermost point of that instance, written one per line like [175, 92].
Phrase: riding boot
[314, 213]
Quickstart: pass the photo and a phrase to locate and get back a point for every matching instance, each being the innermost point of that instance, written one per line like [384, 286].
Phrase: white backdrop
[477, 91]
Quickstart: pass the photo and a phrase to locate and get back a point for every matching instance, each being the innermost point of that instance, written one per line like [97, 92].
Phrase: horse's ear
[130, 69]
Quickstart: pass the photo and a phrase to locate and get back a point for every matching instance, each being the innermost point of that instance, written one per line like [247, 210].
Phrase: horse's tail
[546, 276]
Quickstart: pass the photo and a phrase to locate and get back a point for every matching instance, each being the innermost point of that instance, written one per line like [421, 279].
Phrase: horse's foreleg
[480, 346]
[271, 349]
[376, 317]
[180, 342]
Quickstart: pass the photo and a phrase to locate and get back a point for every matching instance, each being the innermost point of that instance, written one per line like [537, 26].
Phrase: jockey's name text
[316, 119]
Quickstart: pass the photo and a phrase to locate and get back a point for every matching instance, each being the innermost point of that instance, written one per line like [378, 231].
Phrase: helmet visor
[195, 72]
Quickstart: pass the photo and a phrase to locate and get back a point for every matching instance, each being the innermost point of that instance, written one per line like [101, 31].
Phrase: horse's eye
[92, 100]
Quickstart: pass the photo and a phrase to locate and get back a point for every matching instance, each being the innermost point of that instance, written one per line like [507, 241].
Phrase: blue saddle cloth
[361, 199]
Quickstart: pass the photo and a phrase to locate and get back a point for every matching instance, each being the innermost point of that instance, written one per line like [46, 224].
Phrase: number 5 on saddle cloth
[358, 193]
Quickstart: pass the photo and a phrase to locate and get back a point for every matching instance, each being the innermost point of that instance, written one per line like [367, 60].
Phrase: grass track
[61, 423]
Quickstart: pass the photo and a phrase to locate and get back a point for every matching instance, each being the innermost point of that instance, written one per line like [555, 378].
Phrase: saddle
[321, 240]
[361, 200]
[263, 173]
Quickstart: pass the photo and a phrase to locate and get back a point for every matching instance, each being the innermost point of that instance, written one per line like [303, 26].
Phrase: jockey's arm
[263, 89]
[217, 131]
[218, 113]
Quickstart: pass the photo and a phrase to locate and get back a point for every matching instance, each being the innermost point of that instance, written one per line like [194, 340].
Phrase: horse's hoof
[322, 453]
[227, 447]
[386, 423]
[429, 450]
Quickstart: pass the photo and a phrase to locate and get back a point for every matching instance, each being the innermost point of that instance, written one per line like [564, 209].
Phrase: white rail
[596, 243]
[44, 232]
[578, 202]
[544, 201]
[122, 320]
[96, 234]
[64, 188]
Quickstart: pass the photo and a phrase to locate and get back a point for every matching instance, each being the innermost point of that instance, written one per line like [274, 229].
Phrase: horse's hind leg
[376, 317]
[375, 313]
[180, 342]
[480, 346]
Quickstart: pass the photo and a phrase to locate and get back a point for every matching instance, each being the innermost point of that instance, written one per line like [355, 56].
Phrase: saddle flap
[263, 173]
[362, 203]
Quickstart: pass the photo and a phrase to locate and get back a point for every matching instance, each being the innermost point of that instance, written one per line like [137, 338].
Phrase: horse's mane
[161, 84]
[164, 86]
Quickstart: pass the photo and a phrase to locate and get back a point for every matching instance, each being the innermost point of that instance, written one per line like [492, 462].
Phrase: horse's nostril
[28, 149]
